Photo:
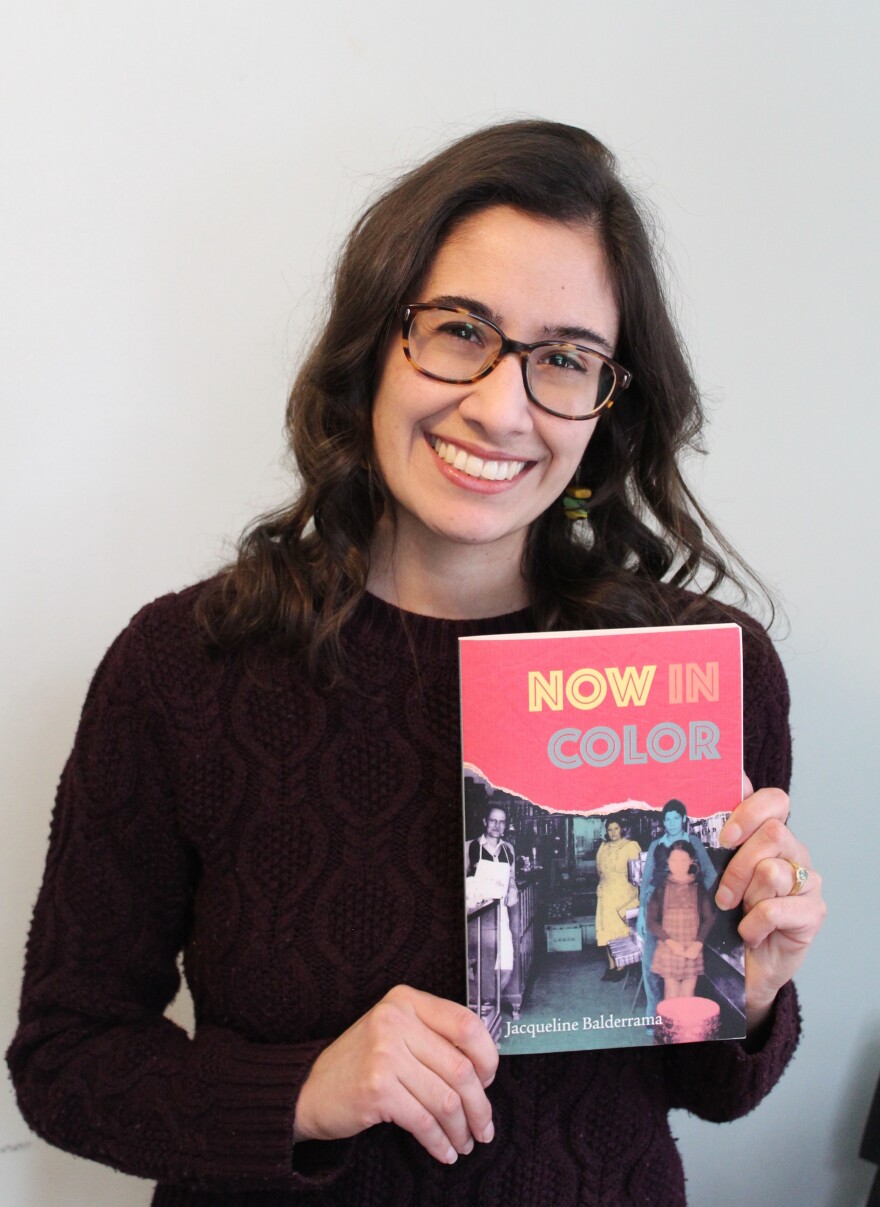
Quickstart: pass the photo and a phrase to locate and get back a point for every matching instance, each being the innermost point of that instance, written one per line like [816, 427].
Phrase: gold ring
[801, 875]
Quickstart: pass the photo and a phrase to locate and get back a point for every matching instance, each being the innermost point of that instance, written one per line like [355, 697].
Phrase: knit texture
[303, 850]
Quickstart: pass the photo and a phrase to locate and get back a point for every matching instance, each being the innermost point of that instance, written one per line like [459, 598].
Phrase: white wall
[172, 178]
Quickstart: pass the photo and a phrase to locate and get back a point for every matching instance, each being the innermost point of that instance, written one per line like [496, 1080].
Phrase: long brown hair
[301, 570]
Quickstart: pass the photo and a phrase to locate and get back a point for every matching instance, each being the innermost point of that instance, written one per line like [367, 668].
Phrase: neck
[432, 576]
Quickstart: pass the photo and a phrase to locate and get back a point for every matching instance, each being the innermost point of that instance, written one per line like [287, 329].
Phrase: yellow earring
[573, 502]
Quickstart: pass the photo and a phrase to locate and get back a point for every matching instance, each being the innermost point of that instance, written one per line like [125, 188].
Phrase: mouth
[488, 470]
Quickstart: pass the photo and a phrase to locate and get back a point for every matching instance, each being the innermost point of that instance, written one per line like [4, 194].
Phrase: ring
[801, 875]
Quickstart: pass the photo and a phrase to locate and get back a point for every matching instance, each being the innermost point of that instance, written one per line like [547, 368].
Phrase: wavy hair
[301, 570]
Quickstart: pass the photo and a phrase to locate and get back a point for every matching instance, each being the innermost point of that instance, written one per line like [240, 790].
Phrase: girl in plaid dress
[680, 915]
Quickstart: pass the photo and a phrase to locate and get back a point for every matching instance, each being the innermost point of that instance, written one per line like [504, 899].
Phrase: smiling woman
[266, 775]
[302, 568]
[451, 517]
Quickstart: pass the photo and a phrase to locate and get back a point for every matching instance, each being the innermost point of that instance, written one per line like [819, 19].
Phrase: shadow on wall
[851, 1175]
[44, 1175]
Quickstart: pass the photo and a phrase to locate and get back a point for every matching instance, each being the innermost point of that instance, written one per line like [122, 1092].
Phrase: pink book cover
[598, 770]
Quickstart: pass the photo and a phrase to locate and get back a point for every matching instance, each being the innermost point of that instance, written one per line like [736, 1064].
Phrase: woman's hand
[778, 926]
[692, 950]
[415, 1060]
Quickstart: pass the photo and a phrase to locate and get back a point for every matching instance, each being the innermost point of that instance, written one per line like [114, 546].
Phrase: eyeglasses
[450, 344]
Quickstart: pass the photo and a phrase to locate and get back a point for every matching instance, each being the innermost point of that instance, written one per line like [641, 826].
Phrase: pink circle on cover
[687, 1020]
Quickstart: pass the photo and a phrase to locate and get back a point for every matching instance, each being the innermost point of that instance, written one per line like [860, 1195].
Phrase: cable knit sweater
[303, 851]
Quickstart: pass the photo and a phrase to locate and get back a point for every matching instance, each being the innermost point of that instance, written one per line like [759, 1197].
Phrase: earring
[574, 498]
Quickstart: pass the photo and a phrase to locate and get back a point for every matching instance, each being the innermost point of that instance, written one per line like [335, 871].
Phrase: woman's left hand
[779, 924]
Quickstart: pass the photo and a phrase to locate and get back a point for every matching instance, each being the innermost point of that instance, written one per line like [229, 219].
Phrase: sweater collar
[376, 620]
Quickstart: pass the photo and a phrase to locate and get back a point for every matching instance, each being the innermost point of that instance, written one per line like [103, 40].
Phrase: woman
[616, 894]
[674, 816]
[680, 917]
[266, 775]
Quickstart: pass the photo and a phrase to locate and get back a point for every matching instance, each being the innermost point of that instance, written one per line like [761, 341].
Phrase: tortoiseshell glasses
[450, 344]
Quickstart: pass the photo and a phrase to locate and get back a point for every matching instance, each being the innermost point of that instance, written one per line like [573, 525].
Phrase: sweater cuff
[722, 1080]
[252, 1113]
[779, 1034]
[319, 1162]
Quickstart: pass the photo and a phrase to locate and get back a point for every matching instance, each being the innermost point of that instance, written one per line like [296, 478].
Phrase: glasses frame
[622, 376]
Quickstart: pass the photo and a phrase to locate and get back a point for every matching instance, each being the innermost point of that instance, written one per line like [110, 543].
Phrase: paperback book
[598, 771]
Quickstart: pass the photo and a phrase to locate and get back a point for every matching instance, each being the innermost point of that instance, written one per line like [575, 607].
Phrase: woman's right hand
[416, 1060]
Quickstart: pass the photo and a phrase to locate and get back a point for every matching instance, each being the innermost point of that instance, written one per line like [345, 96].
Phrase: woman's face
[679, 865]
[537, 279]
[613, 831]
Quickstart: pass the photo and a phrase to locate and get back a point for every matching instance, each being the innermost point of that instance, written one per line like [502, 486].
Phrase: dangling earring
[574, 498]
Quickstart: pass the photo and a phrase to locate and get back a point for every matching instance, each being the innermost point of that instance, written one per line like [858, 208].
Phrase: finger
[453, 1044]
[444, 1080]
[795, 921]
[772, 840]
[750, 815]
[462, 1029]
[776, 878]
[401, 1106]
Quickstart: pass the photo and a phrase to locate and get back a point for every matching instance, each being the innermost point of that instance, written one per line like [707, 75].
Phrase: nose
[498, 403]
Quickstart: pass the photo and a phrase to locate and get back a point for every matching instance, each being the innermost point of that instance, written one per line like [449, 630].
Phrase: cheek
[568, 443]
[402, 403]
[380, 446]
[389, 428]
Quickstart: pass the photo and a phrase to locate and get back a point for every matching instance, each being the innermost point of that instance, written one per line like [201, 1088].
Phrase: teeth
[476, 467]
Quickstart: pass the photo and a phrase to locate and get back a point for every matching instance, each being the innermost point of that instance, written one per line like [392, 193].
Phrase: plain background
[174, 179]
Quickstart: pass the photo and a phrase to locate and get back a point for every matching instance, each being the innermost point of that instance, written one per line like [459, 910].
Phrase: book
[598, 771]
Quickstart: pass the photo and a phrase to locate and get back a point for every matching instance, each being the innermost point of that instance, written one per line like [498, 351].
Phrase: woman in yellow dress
[615, 894]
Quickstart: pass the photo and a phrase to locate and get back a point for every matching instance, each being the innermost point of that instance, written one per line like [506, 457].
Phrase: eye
[459, 330]
[567, 359]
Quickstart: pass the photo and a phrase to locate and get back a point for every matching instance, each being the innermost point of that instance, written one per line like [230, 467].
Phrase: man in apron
[491, 877]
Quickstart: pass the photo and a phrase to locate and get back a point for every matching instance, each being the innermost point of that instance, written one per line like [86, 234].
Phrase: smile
[473, 466]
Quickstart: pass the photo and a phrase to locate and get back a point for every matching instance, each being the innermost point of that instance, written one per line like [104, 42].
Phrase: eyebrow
[568, 334]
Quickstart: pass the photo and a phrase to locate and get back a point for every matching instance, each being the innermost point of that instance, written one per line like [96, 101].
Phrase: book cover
[599, 768]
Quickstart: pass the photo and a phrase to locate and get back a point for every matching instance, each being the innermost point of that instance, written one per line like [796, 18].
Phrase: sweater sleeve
[723, 1080]
[766, 733]
[98, 1069]
[720, 1081]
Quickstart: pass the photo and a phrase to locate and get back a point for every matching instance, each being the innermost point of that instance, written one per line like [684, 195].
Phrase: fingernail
[488, 1132]
[730, 836]
[724, 898]
[468, 1148]
[451, 1156]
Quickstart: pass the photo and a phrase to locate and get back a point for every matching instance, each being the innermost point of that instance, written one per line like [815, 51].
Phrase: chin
[480, 534]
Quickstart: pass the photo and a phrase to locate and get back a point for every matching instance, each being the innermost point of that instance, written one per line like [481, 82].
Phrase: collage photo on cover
[597, 929]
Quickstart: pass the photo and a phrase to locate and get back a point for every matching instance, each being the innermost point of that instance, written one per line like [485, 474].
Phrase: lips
[474, 466]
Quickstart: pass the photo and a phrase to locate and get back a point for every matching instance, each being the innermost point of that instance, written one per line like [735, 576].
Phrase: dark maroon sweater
[304, 852]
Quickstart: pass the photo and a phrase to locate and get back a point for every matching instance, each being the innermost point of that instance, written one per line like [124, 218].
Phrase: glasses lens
[451, 345]
[569, 380]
